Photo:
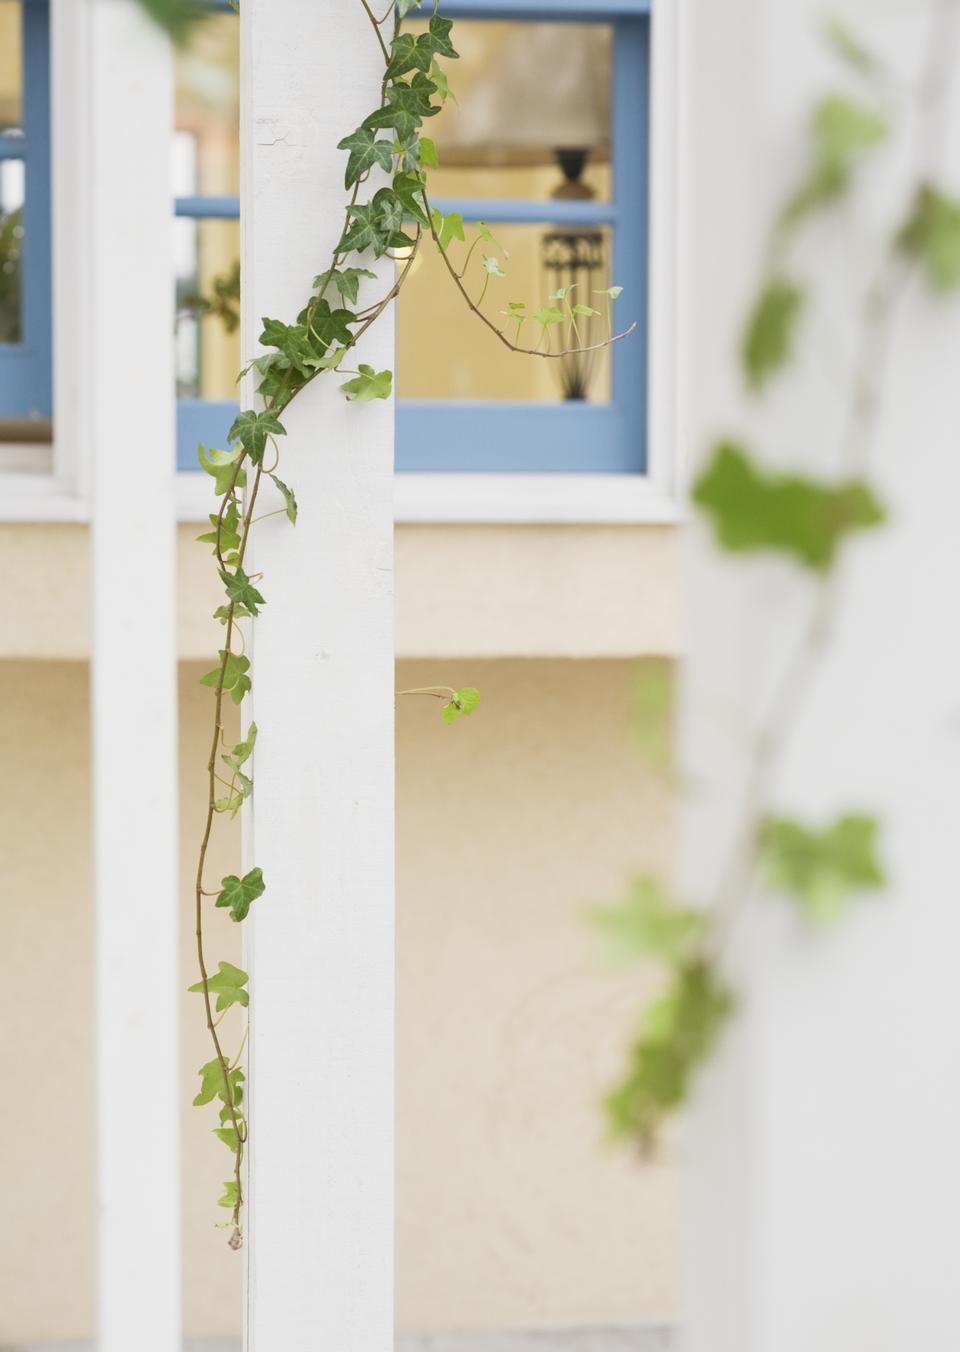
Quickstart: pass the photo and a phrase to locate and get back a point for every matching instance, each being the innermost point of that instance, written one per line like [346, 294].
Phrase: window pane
[208, 308]
[531, 117]
[11, 249]
[11, 68]
[445, 352]
[208, 108]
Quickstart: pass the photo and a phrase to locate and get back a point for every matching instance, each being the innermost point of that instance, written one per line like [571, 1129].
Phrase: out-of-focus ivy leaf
[677, 1034]
[447, 227]
[752, 510]
[842, 131]
[651, 710]
[227, 985]
[647, 922]
[178, 18]
[461, 703]
[821, 870]
[768, 341]
[849, 48]
[932, 235]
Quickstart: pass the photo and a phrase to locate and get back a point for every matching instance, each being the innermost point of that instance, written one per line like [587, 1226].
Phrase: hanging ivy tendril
[380, 221]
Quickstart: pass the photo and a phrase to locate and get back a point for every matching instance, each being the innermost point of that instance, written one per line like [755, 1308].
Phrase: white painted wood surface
[824, 1188]
[320, 942]
[128, 353]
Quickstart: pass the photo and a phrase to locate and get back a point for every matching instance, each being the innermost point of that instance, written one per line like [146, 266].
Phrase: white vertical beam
[823, 1184]
[320, 1193]
[130, 369]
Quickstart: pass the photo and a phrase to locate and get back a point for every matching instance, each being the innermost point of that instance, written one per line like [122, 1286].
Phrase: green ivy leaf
[461, 703]
[492, 266]
[290, 502]
[405, 6]
[768, 341]
[439, 78]
[752, 510]
[253, 430]
[230, 1196]
[612, 292]
[410, 52]
[235, 678]
[369, 384]
[428, 153]
[821, 869]
[678, 1033]
[326, 328]
[240, 588]
[213, 1085]
[584, 310]
[227, 985]
[365, 152]
[346, 280]
[238, 893]
[648, 922]
[242, 751]
[842, 132]
[932, 235]
[409, 189]
[487, 235]
[547, 316]
[228, 1136]
[406, 107]
[849, 48]
[376, 225]
[228, 533]
[447, 227]
[221, 465]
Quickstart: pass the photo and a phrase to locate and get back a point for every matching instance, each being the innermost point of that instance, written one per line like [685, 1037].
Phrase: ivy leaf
[223, 613]
[428, 153]
[369, 384]
[409, 188]
[492, 266]
[584, 310]
[234, 674]
[447, 227]
[240, 588]
[252, 431]
[228, 1135]
[562, 292]
[290, 502]
[376, 225]
[410, 52]
[439, 78]
[228, 533]
[406, 107]
[238, 893]
[327, 327]
[547, 316]
[611, 291]
[405, 6]
[768, 341]
[821, 870]
[346, 280]
[678, 1033]
[228, 986]
[438, 36]
[849, 48]
[932, 235]
[222, 466]
[365, 152]
[487, 235]
[647, 922]
[213, 1085]
[461, 702]
[752, 510]
[842, 132]
[292, 342]
[229, 1198]
[242, 751]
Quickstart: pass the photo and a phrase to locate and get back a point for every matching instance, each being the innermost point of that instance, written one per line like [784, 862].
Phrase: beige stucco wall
[511, 1210]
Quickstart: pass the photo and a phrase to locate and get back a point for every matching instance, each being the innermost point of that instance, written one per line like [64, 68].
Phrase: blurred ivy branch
[818, 868]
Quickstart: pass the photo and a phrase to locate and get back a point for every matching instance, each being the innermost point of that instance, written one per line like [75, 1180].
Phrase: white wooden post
[320, 1190]
[824, 1189]
[127, 349]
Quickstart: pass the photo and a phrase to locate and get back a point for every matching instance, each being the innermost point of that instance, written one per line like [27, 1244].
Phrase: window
[26, 398]
[560, 178]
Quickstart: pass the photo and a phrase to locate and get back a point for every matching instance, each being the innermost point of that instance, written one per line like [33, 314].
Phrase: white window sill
[423, 499]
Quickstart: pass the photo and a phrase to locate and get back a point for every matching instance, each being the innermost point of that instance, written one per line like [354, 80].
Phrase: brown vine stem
[875, 330]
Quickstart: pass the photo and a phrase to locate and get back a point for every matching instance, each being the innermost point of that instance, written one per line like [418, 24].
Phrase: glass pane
[445, 352]
[11, 67]
[11, 248]
[208, 110]
[511, 133]
[208, 308]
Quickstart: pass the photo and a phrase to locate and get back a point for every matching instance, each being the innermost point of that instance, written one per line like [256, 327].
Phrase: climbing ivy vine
[817, 867]
[388, 214]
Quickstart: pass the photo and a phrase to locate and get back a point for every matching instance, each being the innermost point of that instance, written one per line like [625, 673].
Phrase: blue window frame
[511, 436]
[26, 375]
